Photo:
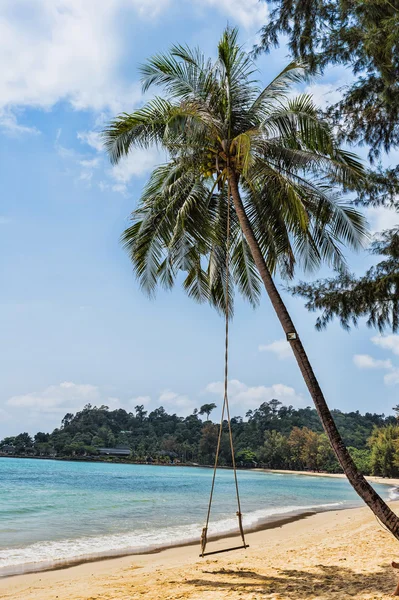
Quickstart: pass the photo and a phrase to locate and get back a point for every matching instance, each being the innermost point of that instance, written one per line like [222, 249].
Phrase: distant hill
[273, 435]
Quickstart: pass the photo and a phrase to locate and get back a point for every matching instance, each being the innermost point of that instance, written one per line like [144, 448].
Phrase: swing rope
[225, 407]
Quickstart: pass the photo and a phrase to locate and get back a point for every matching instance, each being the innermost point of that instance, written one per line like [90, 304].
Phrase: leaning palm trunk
[219, 126]
[355, 478]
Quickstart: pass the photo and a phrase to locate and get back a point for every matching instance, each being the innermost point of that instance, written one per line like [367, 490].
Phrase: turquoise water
[52, 511]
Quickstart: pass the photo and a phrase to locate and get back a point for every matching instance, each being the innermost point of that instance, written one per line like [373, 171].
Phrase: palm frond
[245, 272]
[213, 117]
[281, 85]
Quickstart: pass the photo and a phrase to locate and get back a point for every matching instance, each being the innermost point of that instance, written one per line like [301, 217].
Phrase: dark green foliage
[362, 459]
[384, 444]
[380, 188]
[276, 436]
[374, 296]
[206, 409]
[22, 443]
[361, 35]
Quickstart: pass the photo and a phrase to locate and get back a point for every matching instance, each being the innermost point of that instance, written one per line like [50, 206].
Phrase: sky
[74, 326]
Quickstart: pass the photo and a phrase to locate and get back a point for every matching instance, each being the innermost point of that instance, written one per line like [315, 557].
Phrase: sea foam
[42, 555]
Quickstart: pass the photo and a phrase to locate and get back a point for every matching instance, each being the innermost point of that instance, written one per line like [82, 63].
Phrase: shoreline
[270, 522]
[394, 481]
[69, 564]
[332, 555]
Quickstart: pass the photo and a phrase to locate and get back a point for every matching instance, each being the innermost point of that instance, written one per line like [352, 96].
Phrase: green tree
[272, 161]
[374, 296]
[360, 35]
[140, 412]
[22, 443]
[280, 437]
[326, 459]
[43, 449]
[206, 409]
[67, 420]
[362, 458]
[41, 438]
[303, 445]
[9, 440]
[275, 452]
[363, 36]
[208, 441]
[384, 451]
[246, 457]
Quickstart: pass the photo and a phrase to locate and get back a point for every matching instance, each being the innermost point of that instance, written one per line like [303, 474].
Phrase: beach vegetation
[361, 36]
[384, 444]
[273, 436]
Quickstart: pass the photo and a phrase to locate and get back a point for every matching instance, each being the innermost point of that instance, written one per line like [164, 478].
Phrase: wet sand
[371, 478]
[332, 555]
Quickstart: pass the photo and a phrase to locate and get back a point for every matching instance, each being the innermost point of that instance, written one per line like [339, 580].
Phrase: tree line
[273, 436]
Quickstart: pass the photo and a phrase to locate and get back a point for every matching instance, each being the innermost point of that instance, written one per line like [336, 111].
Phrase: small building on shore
[120, 451]
[7, 449]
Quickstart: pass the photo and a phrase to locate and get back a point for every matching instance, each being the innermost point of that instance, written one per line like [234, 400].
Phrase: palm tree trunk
[356, 479]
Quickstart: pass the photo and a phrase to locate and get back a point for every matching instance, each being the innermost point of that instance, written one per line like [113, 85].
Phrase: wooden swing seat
[224, 550]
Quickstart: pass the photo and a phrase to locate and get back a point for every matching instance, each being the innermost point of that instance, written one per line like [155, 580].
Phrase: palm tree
[258, 159]
[206, 409]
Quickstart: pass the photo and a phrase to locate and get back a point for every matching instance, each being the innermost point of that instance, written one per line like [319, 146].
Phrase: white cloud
[388, 342]
[72, 51]
[281, 348]
[112, 402]
[179, 403]
[139, 400]
[4, 415]
[56, 398]
[84, 164]
[364, 361]
[44, 410]
[88, 167]
[240, 394]
[247, 13]
[381, 218]
[9, 123]
[102, 185]
[65, 50]
[324, 94]
[149, 9]
[392, 378]
[91, 163]
[92, 139]
[137, 163]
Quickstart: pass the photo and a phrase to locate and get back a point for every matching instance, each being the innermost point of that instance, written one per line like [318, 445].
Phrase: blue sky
[74, 326]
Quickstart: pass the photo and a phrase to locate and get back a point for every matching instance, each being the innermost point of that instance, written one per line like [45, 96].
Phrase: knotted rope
[225, 407]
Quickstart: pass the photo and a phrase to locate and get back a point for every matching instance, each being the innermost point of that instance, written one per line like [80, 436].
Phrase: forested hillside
[273, 435]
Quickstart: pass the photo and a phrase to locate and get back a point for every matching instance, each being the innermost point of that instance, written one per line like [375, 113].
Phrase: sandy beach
[371, 478]
[331, 555]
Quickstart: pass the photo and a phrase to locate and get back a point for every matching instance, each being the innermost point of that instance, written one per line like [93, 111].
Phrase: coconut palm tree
[258, 160]
[206, 409]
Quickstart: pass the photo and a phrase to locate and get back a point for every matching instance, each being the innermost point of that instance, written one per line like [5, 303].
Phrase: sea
[55, 513]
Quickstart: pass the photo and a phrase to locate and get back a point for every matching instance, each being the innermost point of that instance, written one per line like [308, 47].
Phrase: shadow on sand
[323, 582]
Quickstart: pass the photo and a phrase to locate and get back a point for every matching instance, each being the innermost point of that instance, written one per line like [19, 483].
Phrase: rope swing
[226, 409]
